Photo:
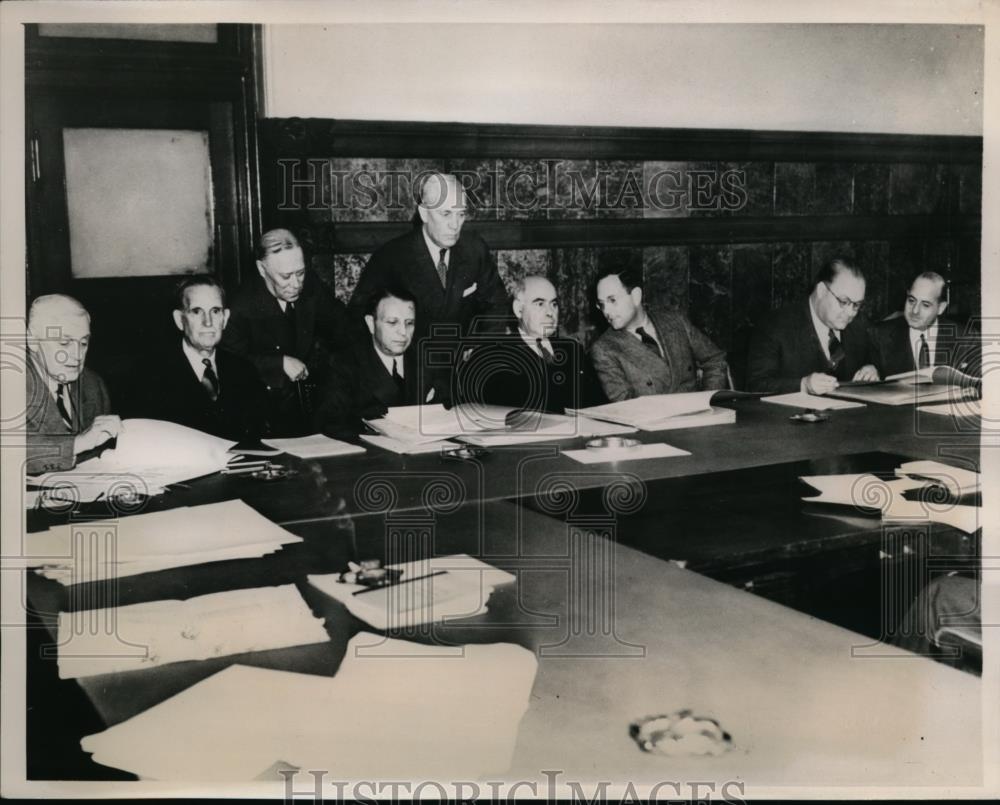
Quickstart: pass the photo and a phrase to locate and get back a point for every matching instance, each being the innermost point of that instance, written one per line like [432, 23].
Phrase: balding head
[58, 336]
[442, 208]
[281, 264]
[536, 306]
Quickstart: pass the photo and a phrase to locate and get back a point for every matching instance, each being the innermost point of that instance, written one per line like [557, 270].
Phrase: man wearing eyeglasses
[815, 345]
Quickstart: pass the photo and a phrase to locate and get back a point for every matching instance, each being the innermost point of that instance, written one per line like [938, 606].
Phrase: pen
[404, 581]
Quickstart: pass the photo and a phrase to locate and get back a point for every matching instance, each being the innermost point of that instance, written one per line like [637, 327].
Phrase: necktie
[442, 269]
[924, 355]
[648, 340]
[290, 323]
[398, 378]
[64, 405]
[547, 356]
[210, 380]
[836, 350]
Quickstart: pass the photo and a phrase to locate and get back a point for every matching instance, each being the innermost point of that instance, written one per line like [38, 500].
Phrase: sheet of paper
[863, 490]
[642, 451]
[650, 408]
[315, 446]
[964, 518]
[155, 443]
[900, 393]
[956, 480]
[427, 422]
[555, 427]
[159, 632]
[460, 590]
[408, 448]
[956, 408]
[394, 710]
[813, 402]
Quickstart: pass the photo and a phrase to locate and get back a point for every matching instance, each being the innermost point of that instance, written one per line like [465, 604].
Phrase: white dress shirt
[387, 360]
[533, 343]
[930, 335]
[195, 358]
[435, 250]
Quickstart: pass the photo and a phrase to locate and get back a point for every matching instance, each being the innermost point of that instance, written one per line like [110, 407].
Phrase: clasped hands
[822, 383]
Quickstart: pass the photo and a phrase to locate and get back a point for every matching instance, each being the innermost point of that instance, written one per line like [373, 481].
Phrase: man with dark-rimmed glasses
[814, 345]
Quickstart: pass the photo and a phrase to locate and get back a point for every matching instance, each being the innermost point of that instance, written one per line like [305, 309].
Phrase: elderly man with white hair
[67, 405]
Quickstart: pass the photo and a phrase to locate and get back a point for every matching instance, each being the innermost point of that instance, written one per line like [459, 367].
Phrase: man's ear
[370, 321]
[942, 307]
[423, 212]
[179, 320]
[260, 267]
[636, 294]
[518, 308]
[225, 317]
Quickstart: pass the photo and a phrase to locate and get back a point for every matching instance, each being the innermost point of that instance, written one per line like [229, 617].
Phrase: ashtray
[604, 442]
[272, 472]
[809, 416]
[466, 452]
[680, 733]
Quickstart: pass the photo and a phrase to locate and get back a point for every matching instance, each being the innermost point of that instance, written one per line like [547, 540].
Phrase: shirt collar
[388, 359]
[51, 383]
[195, 358]
[930, 333]
[647, 325]
[533, 342]
[822, 330]
[434, 249]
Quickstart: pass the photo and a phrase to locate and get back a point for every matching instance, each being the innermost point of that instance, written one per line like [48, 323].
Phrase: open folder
[665, 411]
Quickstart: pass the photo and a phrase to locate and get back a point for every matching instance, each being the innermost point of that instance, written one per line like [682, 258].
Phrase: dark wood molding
[363, 238]
[322, 138]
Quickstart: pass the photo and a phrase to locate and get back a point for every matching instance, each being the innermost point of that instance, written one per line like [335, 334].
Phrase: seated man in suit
[533, 368]
[381, 372]
[813, 345]
[451, 275]
[288, 324]
[67, 405]
[195, 383]
[650, 352]
[920, 338]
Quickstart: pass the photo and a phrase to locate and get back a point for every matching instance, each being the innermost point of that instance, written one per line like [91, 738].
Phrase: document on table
[813, 402]
[954, 408]
[900, 393]
[552, 427]
[103, 549]
[605, 454]
[408, 448]
[158, 632]
[648, 411]
[315, 446]
[445, 587]
[863, 490]
[394, 710]
[956, 480]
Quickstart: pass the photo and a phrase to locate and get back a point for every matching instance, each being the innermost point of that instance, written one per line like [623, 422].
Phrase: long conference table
[671, 549]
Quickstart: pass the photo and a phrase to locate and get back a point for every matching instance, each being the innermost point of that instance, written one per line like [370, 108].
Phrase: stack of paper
[547, 428]
[144, 543]
[149, 456]
[662, 411]
[420, 424]
[395, 710]
[447, 587]
[408, 448]
[160, 632]
[955, 408]
[640, 451]
[316, 446]
[867, 491]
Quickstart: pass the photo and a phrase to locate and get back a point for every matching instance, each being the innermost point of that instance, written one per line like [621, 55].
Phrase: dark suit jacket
[49, 441]
[893, 353]
[785, 348]
[474, 286]
[628, 368]
[174, 393]
[508, 372]
[258, 331]
[359, 387]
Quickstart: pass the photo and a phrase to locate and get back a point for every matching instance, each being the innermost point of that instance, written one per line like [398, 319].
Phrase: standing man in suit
[813, 345]
[67, 405]
[650, 351]
[380, 372]
[920, 338]
[532, 368]
[287, 323]
[198, 385]
[451, 275]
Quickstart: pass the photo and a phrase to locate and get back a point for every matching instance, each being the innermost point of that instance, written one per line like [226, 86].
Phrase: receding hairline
[521, 285]
[447, 179]
[930, 276]
[55, 306]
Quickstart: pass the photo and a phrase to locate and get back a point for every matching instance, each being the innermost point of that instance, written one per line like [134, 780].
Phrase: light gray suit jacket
[628, 368]
[50, 442]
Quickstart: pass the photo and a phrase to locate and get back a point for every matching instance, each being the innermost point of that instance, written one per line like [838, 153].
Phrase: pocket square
[470, 290]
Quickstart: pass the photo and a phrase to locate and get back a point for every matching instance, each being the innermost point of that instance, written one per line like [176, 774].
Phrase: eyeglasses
[844, 301]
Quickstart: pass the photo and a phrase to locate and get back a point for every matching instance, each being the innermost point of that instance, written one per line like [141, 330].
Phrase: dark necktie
[290, 324]
[442, 269]
[836, 350]
[398, 378]
[924, 355]
[547, 356]
[210, 380]
[61, 404]
[648, 340]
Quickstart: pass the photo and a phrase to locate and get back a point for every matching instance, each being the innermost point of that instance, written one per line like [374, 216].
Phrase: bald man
[288, 324]
[67, 405]
[532, 367]
[451, 275]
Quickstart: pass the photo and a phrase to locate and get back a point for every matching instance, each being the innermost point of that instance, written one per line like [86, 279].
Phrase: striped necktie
[442, 269]
[64, 404]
